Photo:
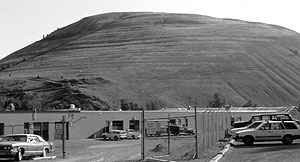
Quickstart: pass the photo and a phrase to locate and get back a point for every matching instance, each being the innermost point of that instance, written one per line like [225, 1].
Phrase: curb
[221, 153]
[157, 160]
[44, 158]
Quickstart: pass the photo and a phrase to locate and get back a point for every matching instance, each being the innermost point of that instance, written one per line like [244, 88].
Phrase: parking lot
[263, 152]
[95, 150]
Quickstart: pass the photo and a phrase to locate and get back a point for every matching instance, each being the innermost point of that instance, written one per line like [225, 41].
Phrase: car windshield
[14, 138]
[254, 125]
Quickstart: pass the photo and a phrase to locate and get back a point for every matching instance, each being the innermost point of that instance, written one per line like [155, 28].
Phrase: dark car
[18, 146]
[266, 116]
[174, 129]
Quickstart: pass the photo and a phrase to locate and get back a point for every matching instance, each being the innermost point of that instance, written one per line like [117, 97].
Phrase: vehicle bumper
[7, 153]
[238, 139]
[296, 136]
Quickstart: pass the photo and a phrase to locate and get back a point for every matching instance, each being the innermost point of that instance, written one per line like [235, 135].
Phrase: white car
[132, 134]
[115, 134]
[18, 146]
[285, 131]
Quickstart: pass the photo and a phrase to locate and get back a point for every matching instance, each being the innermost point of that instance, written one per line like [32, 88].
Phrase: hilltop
[155, 60]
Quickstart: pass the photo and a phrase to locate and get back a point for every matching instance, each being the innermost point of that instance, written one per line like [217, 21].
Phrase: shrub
[217, 102]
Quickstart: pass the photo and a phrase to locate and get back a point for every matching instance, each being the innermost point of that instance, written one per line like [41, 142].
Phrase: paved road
[263, 152]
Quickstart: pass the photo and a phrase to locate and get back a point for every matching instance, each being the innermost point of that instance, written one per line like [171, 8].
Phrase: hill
[155, 60]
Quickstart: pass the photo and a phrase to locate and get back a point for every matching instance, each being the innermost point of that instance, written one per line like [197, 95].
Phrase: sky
[24, 22]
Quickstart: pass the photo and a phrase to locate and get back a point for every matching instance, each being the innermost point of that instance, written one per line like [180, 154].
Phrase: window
[283, 117]
[173, 121]
[117, 125]
[14, 138]
[267, 126]
[290, 126]
[179, 121]
[186, 122]
[256, 118]
[33, 139]
[277, 126]
[266, 117]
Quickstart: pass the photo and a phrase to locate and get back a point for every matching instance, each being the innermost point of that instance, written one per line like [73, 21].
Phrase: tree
[249, 104]
[124, 105]
[217, 102]
[129, 105]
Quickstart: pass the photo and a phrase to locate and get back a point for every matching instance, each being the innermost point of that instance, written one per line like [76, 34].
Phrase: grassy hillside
[158, 59]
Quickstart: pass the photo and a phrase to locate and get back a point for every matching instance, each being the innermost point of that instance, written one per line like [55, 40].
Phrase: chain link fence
[183, 135]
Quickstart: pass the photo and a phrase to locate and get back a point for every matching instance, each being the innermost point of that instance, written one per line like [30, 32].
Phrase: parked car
[115, 134]
[186, 131]
[18, 146]
[266, 116]
[285, 131]
[174, 130]
[130, 133]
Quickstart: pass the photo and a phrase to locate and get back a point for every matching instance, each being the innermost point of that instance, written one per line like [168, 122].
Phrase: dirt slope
[162, 59]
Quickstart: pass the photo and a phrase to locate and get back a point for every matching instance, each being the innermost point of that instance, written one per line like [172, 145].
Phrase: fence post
[196, 131]
[212, 128]
[169, 133]
[203, 133]
[143, 135]
[63, 136]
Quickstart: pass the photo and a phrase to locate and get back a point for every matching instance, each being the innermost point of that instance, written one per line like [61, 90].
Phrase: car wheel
[104, 137]
[288, 139]
[44, 153]
[116, 138]
[18, 156]
[133, 137]
[248, 140]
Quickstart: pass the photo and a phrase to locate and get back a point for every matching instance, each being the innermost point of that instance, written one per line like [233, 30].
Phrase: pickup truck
[130, 133]
[285, 131]
[266, 116]
[115, 134]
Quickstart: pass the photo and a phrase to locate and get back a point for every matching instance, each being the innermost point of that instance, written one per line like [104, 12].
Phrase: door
[1, 128]
[134, 124]
[263, 132]
[277, 131]
[30, 148]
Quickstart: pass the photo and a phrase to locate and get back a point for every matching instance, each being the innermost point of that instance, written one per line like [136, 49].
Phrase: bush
[217, 102]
